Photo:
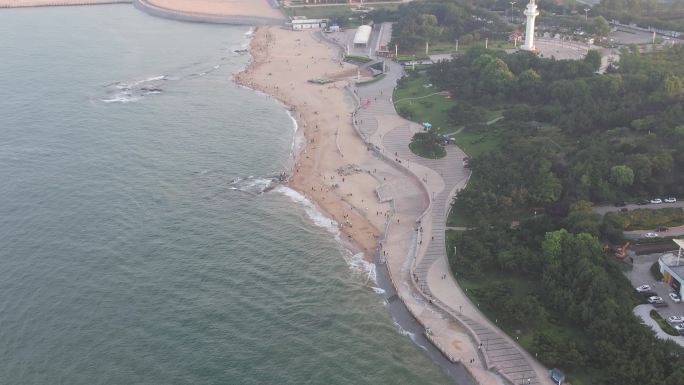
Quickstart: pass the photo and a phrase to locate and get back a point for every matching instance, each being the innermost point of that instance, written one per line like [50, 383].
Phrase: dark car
[624, 209]
[648, 294]
[643, 202]
[661, 229]
[620, 204]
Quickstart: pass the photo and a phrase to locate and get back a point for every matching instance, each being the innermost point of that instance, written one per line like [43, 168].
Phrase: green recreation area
[548, 141]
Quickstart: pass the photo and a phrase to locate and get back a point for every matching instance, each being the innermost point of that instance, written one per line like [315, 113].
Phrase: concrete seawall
[166, 13]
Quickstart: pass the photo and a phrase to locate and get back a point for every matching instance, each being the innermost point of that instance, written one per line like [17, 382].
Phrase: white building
[672, 267]
[299, 23]
[362, 36]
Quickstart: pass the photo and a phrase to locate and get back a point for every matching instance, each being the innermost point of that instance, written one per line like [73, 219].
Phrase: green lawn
[434, 109]
[330, 11]
[478, 142]
[318, 12]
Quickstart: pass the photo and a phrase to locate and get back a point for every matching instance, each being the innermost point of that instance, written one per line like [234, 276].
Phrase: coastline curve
[166, 13]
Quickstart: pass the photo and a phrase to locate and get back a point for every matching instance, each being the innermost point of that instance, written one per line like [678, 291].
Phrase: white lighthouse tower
[531, 12]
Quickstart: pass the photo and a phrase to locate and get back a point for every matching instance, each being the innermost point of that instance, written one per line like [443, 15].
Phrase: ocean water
[137, 244]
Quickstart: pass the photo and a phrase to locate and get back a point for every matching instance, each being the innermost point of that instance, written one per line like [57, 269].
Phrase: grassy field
[443, 47]
[412, 100]
[330, 11]
[478, 142]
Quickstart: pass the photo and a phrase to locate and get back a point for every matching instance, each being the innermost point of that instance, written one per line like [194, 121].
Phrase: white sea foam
[356, 261]
[250, 32]
[404, 332]
[127, 92]
[121, 98]
[318, 218]
[252, 185]
[358, 264]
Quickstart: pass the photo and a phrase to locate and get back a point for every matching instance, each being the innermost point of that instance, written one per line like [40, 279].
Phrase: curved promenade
[166, 13]
[418, 267]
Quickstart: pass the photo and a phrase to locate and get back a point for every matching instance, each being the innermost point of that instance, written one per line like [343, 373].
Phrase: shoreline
[314, 165]
[152, 9]
[357, 233]
[254, 14]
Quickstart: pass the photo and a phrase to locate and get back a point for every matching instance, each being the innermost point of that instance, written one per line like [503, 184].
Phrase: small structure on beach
[299, 23]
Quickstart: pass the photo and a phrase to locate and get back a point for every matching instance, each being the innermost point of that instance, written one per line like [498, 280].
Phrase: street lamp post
[586, 13]
[511, 3]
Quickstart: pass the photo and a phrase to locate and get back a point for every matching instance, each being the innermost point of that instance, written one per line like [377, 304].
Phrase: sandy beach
[353, 185]
[334, 168]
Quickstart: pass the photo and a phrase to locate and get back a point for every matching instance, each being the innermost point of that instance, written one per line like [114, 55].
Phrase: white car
[643, 289]
[675, 298]
[654, 299]
[651, 235]
[680, 327]
[656, 200]
[675, 319]
[670, 200]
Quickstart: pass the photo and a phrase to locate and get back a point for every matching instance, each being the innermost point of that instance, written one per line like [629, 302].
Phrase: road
[612, 208]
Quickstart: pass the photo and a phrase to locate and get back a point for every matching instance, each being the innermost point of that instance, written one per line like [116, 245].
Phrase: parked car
[620, 204]
[624, 209]
[648, 294]
[644, 288]
[661, 229]
[651, 235]
[642, 202]
[675, 319]
[670, 200]
[656, 200]
[675, 298]
[655, 298]
[680, 328]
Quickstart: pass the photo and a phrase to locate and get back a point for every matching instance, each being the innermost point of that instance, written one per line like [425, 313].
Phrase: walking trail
[413, 249]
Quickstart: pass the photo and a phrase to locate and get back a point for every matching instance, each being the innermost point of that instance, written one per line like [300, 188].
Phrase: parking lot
[641, 275]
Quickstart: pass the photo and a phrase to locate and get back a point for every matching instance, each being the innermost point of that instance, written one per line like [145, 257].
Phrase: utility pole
[456, 45]
[427, 48]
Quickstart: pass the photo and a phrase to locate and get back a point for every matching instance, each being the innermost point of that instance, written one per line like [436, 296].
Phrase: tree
[621, 176]
[593, 58]
[467, 114]
[671, 88]
[529, 82]
[600, 26]
[495, 77]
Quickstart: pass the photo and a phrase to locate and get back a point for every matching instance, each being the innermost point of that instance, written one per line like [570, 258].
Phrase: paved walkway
[416, 256]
